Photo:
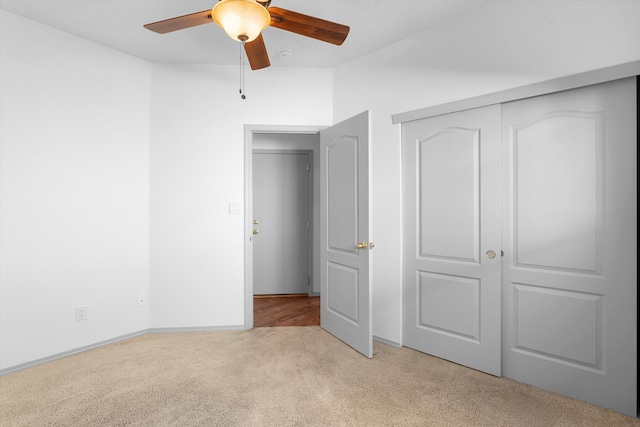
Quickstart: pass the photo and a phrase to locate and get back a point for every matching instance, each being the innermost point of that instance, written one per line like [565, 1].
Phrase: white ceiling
[119, 24]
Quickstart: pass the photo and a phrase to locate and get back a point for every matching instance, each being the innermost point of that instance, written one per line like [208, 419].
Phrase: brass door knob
[362, 245]
[255, 231]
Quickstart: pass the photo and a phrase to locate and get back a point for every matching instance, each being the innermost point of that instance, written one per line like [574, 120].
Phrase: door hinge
[308, 224]
[308, 280]
[308, 167]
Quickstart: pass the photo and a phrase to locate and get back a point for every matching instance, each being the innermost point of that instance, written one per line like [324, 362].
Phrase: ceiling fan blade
[181, 22]
[309, 26]
[257, 53]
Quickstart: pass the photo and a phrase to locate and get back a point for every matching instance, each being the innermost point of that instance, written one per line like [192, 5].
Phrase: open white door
[451, 223]
[345, 261]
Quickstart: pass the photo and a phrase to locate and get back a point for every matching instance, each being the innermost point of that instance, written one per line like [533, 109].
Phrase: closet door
[451, 237]
[570, 242]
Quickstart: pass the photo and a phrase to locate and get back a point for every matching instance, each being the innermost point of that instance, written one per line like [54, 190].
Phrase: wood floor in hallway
[286, 310]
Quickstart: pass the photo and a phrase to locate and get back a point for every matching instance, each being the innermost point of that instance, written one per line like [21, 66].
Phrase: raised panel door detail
[449, 185]
[451, 219]
[449, 304]
[343, 292]
[570, 243]
[558, 191]
[342, 188]
[562, 325]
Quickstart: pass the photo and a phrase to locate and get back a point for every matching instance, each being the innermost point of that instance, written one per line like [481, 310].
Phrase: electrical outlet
[142, 300]
[81, 313]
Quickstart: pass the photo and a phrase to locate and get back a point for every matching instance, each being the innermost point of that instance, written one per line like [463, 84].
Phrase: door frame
[249, 131]
[574, 81]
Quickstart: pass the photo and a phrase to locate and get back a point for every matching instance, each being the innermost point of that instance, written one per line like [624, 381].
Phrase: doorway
[343, 174]
[282, 243]
[290, 142]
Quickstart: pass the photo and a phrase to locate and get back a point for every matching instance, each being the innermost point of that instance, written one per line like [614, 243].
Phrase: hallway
[286, 310]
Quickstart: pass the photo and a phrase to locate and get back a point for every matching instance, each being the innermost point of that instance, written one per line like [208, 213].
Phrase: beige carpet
[288, 376]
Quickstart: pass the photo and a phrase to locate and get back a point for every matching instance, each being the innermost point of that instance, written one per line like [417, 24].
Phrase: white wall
[74, 178]
[503, 45]
[197, 168]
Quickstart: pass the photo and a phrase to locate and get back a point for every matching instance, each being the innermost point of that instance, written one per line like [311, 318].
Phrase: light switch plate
[235, 208]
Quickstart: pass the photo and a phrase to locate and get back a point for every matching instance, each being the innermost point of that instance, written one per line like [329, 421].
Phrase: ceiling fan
[244, 20]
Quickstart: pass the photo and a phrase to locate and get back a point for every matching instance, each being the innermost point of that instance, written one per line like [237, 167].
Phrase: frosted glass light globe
[242, 20]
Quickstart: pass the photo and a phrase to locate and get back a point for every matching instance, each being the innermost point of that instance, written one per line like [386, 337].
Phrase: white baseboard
[71, 352]
[387, 342]
[99, 344]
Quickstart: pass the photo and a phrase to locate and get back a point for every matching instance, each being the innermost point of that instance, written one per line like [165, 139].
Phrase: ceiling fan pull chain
[242, 95]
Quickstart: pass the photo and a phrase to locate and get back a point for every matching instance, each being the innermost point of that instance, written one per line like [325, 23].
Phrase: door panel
[345, 275]
[561, 198]
[342, 292]
[449, 304]
[449, 174]
[451, 221]
[566, 326]
[570, 272]
[281, 205]
[342, 190]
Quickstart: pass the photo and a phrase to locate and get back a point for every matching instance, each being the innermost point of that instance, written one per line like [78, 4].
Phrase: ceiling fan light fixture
[242, 20]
